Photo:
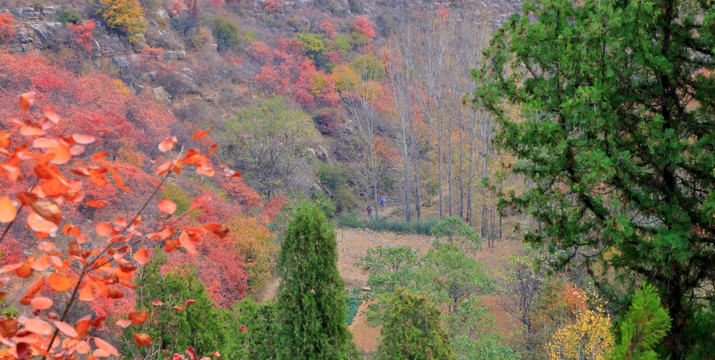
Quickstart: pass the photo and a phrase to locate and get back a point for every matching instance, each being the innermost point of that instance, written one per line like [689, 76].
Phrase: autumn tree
[124, 15]
[50, 172]
[617, 137]
[7, 26]
[412, 330]
[311, 297]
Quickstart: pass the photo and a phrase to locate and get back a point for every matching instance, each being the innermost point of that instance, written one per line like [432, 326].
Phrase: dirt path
[354, 243]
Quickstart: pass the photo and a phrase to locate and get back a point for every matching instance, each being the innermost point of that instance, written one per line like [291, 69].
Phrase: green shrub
[65, 16]
[226, 33]
[350, 220]
[324, 203]
[344, 198]
[315, 45]
[329, 175]
[343, 44]
[353, 301]
[419, 226]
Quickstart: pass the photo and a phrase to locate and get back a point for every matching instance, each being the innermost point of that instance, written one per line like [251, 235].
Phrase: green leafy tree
[226, 33]
[271, 141]
[315, 45]
[197, 322]
[311, 297]
[252, 331]
[616, 132]
[412, 330]
[643, 328]
[457, 233]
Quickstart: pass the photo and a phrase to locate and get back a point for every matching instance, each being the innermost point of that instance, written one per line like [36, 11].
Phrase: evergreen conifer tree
[311, 306]
[609, 107]
[412, 330]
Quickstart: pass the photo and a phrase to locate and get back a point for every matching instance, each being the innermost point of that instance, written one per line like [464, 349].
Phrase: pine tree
[617, 135]
[412, 330]
[311, 298]
[643, 327]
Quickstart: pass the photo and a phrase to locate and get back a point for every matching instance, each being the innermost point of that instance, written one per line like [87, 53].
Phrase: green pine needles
[643, 327]
[311, 306]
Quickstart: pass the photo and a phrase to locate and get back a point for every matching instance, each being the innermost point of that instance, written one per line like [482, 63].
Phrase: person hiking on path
[369, 211]
[382, 203]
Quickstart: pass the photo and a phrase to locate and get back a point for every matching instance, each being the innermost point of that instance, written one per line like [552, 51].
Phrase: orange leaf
[104, 229]
[219, 230]
[119, 181]
[32, 291]
[199, 201]
[61, 154]
[187, 244]
[83, 139]
[167, 206]
[31, 131]
[59, 282]
[189, 302]
[179, 308]
[91, 291]
[51, 115]
[48, 210]
[66, 328]
[42, 263]
[100, 155]
[201, 134]
[96, 203]
[142, 256]
[143, 339]
[138, 317]
[26, 100]
[41, 303]
[8, 212]
[40, 224]
[103, 345]
[157, 303]
[124, 323]
[167, 144]
[38, 326]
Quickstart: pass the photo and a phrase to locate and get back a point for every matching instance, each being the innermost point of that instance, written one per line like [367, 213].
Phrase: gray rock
[42, 31]
[2, 11]
[28, 10]
[23, 38]
[161, 95]
[121, 62]
[96, 48]
[133, 57]
[170, 55]
[49, 11]
[208, 98]
[31, 15]
[26, 47]
[16, 49]
[17, 12]
[181, 55]
[161, 14]
[152, 75]
[213, 47]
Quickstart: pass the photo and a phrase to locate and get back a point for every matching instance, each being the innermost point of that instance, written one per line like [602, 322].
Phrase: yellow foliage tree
[254, 241]
[589, 338]
[125, 15]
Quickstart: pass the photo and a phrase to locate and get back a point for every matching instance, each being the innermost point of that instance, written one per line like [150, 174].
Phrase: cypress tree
[311, 298]
[412, 330]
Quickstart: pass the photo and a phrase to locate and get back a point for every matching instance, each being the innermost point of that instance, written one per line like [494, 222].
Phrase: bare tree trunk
[461, 168]
[471, 171]
[441, 171]
[449, 164]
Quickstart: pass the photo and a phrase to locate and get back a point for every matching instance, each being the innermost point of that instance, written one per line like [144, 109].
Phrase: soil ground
[353, 244]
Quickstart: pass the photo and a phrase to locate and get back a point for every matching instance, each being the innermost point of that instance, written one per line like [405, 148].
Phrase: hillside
[268, 179]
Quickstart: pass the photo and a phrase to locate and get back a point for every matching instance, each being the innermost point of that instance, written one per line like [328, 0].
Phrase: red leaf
[201, 134]
[51, 115]
[167, 144]
[167, 206]
[38, 326]
[96, 203]
[199, 201]
[8, 212]
[26, 100]
[66, 328]
[142, 256]
[143, 339]
[119, 181]
[138, 317]
[103, 345]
